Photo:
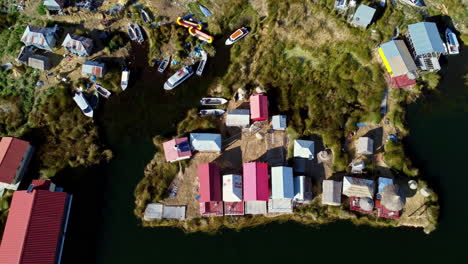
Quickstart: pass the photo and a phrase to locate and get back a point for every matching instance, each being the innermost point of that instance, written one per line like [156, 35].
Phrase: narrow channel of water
[103, 228]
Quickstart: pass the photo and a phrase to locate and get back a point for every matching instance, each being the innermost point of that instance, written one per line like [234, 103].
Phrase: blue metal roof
[363, 16]
[390, 49]
[425, 38]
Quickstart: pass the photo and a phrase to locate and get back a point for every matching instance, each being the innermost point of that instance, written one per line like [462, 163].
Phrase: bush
[41, 10]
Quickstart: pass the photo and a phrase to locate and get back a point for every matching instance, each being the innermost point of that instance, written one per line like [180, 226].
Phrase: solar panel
[183, 147]
[30, 188]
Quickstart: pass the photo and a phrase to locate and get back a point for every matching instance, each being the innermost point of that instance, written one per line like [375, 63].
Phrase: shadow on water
[103, 228]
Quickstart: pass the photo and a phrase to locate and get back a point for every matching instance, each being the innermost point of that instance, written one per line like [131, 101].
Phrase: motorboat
[145, 16]
[102, 91]
[131, 33]
[417, 3]
[84, 105]
[163, 65]
[179, 77]
[238, 34]
[202, 63]
[125, 78]
[211, 112]
[213, 101]
[139, 34]
[453, 47]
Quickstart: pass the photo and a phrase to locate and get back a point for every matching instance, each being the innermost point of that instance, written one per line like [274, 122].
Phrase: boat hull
[211, 112]
[231, 40]
[163, 65]
[124, 80]
[213, 101]
[169, 86]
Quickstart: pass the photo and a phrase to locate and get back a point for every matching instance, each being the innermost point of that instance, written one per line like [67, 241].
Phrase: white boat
[238, 34]
[179, 77]
[163, 65]
[213, 101]
[417, 3]
[131, 32]
[124, 79]
[202, 63]
[211, 112]
[81, 101]
[145, 16]
[102, 91]
[139, 34]
[452, 42]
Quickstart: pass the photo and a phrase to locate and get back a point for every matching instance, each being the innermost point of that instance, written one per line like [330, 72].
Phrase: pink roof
[174, 153]
[256, 182]
[209, 182]
[33, 228]
[12, 151]
[259, 107]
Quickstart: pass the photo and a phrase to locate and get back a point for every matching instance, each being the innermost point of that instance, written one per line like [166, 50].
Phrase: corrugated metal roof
[209, 182]
[365, 146]
[94, 68]
[238, 118]
[282, 184]
[78, 44]
[357, 187]
[255, 207]
[259, 107]
[205, 142]
[42, 38]
[153, 211]
[304, 149]
[232, 188]
[177, 149]
[38, 62]
[331, 194]
[363, 16]
[256, 181]
[12, 151]
[33, 228]
[279, 122]
[425, 38]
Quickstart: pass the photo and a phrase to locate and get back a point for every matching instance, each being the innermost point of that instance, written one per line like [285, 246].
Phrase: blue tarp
[361, 125]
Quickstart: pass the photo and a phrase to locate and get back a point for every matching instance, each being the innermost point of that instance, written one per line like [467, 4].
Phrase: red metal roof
[400, 81]
[209, 182]
[33, 228]
[234, 208]
[174, 153]
[12, 151]
[256, 182]
[259, 107]
[41, 184]
[384, 212]
[211, 209]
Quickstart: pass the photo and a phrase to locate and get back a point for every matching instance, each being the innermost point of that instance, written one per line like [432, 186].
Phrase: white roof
[331, 192]
[255, 207]
[357, 187]
[282, 183]
[279, 122]
[205, 142]
[304, 149]
[232, 188]
[280, 206]
[302, 188]
[238, 118]
[365, 146]
[174, 212]
[153, 211]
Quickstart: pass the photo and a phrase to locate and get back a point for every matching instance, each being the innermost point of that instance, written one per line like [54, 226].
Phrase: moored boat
[81, 101]
[139, 34]
[452, 42]
[131, 32]
[188, 24]
[124, 79]
[102, 91]
[417, 3]
[94, 101]
[211, 112]
[179, 77]
[202, 63]
[213, 101]
[163, 65]
[238, 34]
[145, 16]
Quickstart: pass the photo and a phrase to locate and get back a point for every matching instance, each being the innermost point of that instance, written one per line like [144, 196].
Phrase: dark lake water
[103, 228]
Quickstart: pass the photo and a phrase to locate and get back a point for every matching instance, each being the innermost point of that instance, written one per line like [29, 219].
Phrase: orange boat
[188, 24]
[238, 34]
[200, 35]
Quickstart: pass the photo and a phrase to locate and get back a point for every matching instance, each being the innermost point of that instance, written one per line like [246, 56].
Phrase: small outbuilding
[259, 107]
[365, 146]
[283, 206]
[358, 187]
[94, 68]
[279, 122]
[174, 212]
[205, 142]
[39, 62]
[255, 207]
[302, 188]
[282, 184]
[212, 208]
[232, 188]
[15, 155]
[238, 118]
[234, 208]
[363, 16]
[304, 149]
[256, 181]
[55, 5]
[331, 192]
[153, 211]
[177, 149]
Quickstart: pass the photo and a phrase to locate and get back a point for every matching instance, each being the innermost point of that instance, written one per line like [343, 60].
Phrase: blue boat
[205, 11]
